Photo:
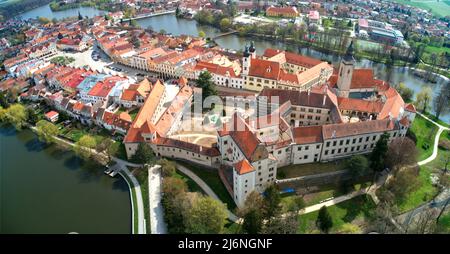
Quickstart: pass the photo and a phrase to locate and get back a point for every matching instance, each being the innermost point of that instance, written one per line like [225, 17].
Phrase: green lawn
[211, 177]
[439, 121]
[439, 8]
[192, 186]
[133, 113]
[309, 169]
[424, 193]
[425, 132]
[357, 210]
[444, 223]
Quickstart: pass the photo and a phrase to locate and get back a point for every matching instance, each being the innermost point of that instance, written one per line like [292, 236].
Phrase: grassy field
[441, 8]
[192, 186]
[310, 169]
[425, 132]
[424, 193]
[211, 177]
[356, 211]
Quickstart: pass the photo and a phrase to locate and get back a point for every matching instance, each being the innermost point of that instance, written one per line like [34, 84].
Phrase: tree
[324, 221]
[2, 114]
[406, 92]
[177, 11]
[3, 100]
[201, 34]
[207, 216]
[43, 20]
[135, 41]
[80, 17]
[423, 98]
[46, 131]
[162, 31]
[402, 152]
[287, 224]
[168, 168]
[144, 154]
[133, 23]
[84, 145]
[358, 166]
[403, 183]
[253, 222]
[17, 115]
[32, 116]
[442, 100]
[272, 201]
[379, 153]
[349, 228]
[205, 82]
[173, 186]
[225, 24]
[107, 146]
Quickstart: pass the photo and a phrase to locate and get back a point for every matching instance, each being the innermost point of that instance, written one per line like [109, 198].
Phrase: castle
[336, 114]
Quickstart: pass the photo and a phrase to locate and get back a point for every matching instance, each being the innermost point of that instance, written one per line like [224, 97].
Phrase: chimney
[324, 100]
[333, 135]
[201, 148]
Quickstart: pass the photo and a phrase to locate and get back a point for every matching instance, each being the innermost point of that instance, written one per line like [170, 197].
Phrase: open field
[441, 8]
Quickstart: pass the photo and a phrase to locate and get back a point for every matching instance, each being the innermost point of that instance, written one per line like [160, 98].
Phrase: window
[310, 110]
[367, 139]
[326, 152]
[332, 151]
[341, 142]
[299, 148]
[317, 146]
[225, 142]
[360, 140]
[328, 143]
[317, 118]
[339, 150]
[334, 143]
[354, 140]
[305, 157]
[347, 141]
[306, 147]
[345, 150]
[310, 117]
[318, 111]
[353, 149]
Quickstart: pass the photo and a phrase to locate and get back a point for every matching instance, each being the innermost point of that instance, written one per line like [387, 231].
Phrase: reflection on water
[47, 189]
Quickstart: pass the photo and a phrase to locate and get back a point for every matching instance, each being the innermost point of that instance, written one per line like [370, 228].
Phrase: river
[45, 189]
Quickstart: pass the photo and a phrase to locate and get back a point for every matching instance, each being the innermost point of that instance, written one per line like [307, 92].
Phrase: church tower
[246, 61]
[345, 73]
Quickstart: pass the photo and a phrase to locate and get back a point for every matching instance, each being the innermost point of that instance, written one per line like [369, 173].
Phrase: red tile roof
[307, 134]
[351, 129]
[243, 167]
[264, 69]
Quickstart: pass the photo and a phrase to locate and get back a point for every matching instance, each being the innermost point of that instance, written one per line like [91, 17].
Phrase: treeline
[11, 10]
[106, 5]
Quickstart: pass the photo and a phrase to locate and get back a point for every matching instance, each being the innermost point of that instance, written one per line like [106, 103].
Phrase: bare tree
[424, 223]
[442, 100]
[402, 151]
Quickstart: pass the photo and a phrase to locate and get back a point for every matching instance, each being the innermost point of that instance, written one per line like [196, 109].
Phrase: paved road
[158, 225]
[205, 188]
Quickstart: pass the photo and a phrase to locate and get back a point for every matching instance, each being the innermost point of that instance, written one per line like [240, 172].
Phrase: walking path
[204, 187]
[436, 141]
[158, 225]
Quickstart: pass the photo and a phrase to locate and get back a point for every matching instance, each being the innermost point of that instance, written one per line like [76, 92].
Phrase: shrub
[444, 144]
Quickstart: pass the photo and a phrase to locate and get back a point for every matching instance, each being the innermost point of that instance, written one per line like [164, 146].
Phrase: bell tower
[246, 61]
[345, 73]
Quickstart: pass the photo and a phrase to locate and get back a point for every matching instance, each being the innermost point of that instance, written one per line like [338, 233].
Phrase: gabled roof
[243, 167]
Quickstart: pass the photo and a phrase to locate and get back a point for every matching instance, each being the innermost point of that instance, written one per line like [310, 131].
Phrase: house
[52, 116]
[286, 12]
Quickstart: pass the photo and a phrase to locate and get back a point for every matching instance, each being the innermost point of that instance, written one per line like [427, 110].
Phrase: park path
[205, 188]
[436, 141]
[158, 225]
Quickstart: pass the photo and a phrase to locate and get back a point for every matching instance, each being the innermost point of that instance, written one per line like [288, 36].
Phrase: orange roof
[51, 114]
[410, 107]
[148, 109]
[264, 69]
[360, 105]
[243, 167]
[351, 129]
[307, 134]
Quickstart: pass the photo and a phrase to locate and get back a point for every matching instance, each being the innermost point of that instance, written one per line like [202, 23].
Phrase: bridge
[149, 15]
[224, 34]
